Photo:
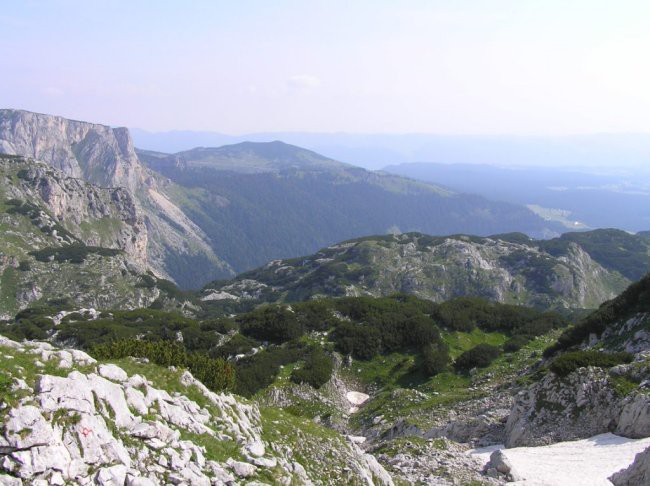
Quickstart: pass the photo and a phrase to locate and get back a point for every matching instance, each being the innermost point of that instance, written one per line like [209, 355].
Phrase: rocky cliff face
[590, 401]
[96, 153]
[167, 239]
[70, 420]
[584, 404]
[42, 210]
[106, 217]
[636, 473]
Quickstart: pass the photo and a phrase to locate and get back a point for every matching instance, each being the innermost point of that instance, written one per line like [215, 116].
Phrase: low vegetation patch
[74, 253]
[569, 362]
[479, 356]
[215, 373]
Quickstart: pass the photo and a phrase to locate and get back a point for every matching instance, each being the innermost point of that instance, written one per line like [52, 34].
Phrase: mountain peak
[251, 157]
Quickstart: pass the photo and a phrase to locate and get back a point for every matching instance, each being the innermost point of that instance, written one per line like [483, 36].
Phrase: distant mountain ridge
[261, 201]
[580, 199]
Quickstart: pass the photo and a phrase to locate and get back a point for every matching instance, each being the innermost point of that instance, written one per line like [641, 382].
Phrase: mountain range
[386, 359]
[214, 212]
[579, 198]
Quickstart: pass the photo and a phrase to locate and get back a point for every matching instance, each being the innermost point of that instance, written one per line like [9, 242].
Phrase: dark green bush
[479, 356]
[515, 343]
[222, 325]
[435, 359]
[74, 253]
[569, 362]
[359, 340]
[316, 370]
[260, 370]
[238, 344]
[24, 266]
[273, 323]
[215, 373]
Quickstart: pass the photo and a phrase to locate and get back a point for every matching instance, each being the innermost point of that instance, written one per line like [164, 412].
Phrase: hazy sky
[478, 67]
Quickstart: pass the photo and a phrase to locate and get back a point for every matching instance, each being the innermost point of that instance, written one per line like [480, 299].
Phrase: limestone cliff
[97, 153]
[168, 241]
[65, 238]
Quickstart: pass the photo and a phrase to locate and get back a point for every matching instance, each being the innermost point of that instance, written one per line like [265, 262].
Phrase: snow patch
[356, 399]
[587, 462]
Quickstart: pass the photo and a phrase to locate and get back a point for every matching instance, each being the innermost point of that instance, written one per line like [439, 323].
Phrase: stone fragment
[112, 372]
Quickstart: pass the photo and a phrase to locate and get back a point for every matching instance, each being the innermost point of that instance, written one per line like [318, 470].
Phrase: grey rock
[6, 480]
[139, 481]
[111, 476]
[634, 420]
[26, 427]
[636, 474]
[242, 469]
[112, 372]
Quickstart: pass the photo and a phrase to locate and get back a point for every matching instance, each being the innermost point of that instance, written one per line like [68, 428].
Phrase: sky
[540, 67]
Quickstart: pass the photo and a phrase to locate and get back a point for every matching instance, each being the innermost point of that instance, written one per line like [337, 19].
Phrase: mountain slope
[63, 238]
[597, 380]
[175, 246]
[262, 201]
[69, 419]
[508, 268]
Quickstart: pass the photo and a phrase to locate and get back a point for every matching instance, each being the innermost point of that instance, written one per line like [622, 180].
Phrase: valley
[153, 331]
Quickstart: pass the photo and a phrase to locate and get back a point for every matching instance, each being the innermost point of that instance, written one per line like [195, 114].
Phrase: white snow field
[356, 399]
[587, 462]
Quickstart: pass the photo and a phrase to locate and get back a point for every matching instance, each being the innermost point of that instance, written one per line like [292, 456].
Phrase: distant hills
[261, 201]
[578, 198]
[211, 213]
[374, 151]
[576, 270]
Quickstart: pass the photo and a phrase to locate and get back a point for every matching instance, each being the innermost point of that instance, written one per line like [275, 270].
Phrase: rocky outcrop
[106, 217]
[97, 153]
[583, 404]
[98, 424]
[433, 268]
[164, 236]
[636, 473]
[500, 467]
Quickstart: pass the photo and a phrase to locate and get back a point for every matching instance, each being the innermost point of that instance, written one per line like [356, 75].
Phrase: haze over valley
[342, 244]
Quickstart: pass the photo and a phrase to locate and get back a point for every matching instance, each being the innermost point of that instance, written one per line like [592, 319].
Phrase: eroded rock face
[106, 217]
[106, 427]
[636, 473]
[581, 405]
[96, 153]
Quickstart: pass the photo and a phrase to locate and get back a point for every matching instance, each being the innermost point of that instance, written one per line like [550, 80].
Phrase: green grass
[8, 289]
[320, 450]
[434, 396]
[459, 342]
[381, 371]
[623, 386]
